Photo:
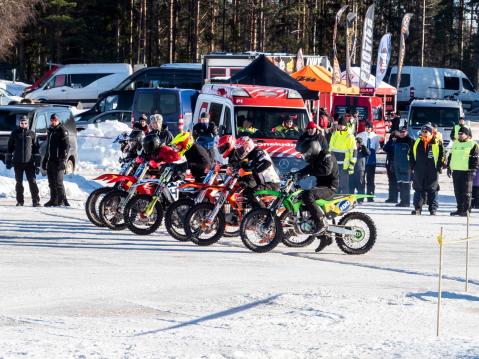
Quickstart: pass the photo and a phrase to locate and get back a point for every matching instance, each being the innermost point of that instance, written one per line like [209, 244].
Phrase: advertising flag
[384, 55]
[402, 45]
[367, 47]
[336, 67]
[349, 48]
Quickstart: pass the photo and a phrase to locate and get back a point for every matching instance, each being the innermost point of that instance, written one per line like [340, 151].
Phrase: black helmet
[151, 144]
[136, 135]
[309, 149]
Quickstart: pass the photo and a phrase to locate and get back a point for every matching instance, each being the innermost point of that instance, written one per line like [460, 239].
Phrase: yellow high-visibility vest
[435, 150]
[460, 155]
[343, 146]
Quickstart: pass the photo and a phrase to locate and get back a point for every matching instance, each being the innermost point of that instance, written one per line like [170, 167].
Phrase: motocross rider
[323, 166]
[155, 150]
[197, 157]
[255, 165]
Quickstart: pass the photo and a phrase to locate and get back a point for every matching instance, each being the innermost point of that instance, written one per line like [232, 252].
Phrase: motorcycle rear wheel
[290, 238]
[110, 210]
[175, 218]
[92, 205]
[364, 237]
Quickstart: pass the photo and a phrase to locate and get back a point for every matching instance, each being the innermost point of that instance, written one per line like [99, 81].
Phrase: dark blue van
[172, 103]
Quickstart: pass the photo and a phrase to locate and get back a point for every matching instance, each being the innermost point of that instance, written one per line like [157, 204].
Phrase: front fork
[219, 204]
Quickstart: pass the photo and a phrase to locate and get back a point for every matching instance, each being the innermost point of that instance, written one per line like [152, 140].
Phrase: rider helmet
[151, 144]
[244, 146]
[226, 145]
[309, 149]
[183, 142]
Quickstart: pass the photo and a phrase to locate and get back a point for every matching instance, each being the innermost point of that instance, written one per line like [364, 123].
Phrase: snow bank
[95, 147]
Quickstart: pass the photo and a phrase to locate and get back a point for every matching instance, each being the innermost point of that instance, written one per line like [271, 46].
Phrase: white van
[433, 83]
[83, 82]
[444, 113]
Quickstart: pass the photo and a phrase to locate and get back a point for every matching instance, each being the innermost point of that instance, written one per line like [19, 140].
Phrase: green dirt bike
[287, 220]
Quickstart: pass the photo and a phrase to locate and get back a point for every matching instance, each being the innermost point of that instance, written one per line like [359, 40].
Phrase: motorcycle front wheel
[111, 212]
[364, 235]
[175, 218]
[260, 231]
[197, 227]
[92, 205]
[136, 219]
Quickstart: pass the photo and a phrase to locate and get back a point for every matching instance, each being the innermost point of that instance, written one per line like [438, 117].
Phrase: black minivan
[39, 116]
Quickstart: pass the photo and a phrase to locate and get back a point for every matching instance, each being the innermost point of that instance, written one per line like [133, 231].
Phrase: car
[39, 116]
[114, 115]
[112, 100]
[6, 97]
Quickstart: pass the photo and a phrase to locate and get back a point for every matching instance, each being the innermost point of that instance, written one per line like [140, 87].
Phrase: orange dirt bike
[199, 192]
[205, 223]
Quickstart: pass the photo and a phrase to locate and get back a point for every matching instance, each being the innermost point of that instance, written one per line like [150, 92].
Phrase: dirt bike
[92, 203]
[198, 192]
[113, 203]
[262, 229]
[128, 166]
[143, 213]
[205, 223]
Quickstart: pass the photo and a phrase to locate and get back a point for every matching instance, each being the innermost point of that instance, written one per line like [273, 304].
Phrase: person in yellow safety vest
[343, 146]
[455, 129]
[462, 163]
[426, 160]
[350, 124]
[286, 125]
[247, 128]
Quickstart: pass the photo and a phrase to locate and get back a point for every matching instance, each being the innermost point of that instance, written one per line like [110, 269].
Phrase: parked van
[266, 108]
[39, 117]
[433, 83]
[172, 103]
[444, 113]
[80, 83]
[370, 109]
[179, 75]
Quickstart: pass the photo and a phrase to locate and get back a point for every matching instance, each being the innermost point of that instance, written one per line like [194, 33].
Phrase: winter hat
[311, 125]
[465, 130]
[158, 119]
[24, 118]
[427, 127]
[403, 128]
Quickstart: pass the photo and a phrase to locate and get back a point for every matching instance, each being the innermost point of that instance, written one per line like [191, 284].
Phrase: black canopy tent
[263, 72]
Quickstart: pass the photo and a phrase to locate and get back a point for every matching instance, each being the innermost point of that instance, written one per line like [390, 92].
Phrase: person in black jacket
[322, 165]
[357, 179]
[197, 157]
[426, 158]
[392, 180]
[160, 129]
[56, 155]
[24, 157]
[204, 133]
[312, 132]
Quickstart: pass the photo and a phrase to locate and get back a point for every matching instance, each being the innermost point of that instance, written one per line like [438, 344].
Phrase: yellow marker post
[440, 240]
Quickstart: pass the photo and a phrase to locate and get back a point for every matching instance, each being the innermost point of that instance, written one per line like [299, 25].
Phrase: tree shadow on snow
[446, 295]
[213, 316]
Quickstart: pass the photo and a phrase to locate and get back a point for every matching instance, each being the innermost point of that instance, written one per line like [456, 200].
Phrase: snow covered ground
[73, 290]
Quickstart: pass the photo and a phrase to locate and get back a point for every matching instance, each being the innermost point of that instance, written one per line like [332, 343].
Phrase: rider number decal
[344, 205]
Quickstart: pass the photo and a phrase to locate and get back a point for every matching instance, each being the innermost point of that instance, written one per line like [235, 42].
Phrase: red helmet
[244, 146]
[226, 144]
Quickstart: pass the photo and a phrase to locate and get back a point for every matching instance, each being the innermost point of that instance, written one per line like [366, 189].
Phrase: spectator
[436, 133]
[426, 159]
[356, 180]
[160, 129]
[371, 141]
[312, 132]
[392, 181]
[475, 191]
[22, 154]
[343, 148]
[247, 128]
[395, 121]
[455, 129]
[142, 124]
[461, 164]
[287, 125]
[58, 145]
[204, 133]
[402, 169]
